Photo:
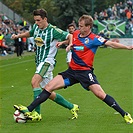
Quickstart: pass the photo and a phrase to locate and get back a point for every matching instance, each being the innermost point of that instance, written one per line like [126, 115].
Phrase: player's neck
[85, 34]
[45, 26]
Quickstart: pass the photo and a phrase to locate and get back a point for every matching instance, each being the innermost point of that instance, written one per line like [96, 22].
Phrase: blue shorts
[84, 77]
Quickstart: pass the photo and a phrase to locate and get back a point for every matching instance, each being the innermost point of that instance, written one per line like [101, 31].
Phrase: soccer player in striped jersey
[84, 47]
[46, 36]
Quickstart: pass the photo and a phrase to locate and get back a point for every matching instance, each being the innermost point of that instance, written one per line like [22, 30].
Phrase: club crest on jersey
[86, 40]
[39, 41]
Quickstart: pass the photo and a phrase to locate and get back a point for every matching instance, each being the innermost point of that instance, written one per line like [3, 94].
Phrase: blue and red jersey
[84, 49]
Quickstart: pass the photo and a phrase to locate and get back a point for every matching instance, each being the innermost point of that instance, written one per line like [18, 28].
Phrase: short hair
[40, 12]
[71, 24]
[87, 19]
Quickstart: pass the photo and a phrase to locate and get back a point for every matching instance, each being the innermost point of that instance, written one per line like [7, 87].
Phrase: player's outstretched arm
[26, 34]
[68, 42]
[58, 44]
[118, 45]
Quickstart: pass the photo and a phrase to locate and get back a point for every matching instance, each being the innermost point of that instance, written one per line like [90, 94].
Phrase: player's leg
[55, 96]
[36, 79]
[110, 101]
[91, 81]
[74, 108]
[54, 84]
[57, 83]
[59, 99]
[42, 97]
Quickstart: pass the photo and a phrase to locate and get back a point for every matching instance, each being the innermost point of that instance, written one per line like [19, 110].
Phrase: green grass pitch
[114, 72]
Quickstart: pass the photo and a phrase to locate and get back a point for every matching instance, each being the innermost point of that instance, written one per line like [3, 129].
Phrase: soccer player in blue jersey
[46, 36]
[84, 47]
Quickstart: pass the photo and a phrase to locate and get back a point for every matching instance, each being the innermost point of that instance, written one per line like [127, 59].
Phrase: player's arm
[70, 44]
[118, 45]
[62, 43]
[68, 41]
[26, 34]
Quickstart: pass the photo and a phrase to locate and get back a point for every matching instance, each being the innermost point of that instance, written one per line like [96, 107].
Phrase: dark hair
[71, 24]
[40, 12]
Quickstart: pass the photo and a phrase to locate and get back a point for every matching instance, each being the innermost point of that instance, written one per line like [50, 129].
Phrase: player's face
[71, 29]
[84, 30]
[42, 23]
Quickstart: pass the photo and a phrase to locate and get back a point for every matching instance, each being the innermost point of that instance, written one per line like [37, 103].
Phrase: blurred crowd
[119, 11]
[9, 27]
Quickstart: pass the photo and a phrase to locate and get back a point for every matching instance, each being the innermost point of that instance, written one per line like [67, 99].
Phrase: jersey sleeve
[60, 34]
[32, 30]
[98, 40]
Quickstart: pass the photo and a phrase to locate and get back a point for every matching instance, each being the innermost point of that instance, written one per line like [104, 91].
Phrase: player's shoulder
[50, 26]
[76, 33]
[94, 36]
[55, 28]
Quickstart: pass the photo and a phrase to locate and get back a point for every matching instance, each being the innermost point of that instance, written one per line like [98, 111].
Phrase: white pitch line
[21, 62]
[15, 63]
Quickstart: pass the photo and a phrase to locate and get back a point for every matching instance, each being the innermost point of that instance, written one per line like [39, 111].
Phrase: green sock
[36, 92]
[63, 102]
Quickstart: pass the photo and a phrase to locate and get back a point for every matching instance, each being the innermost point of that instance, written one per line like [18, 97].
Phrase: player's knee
[100, 95]
[48, 87]
[35, 84]
[52, 96]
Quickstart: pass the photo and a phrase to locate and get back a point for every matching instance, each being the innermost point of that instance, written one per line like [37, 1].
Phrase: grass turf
[114, 72]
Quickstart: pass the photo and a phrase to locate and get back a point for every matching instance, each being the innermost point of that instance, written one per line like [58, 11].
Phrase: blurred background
[112, 19]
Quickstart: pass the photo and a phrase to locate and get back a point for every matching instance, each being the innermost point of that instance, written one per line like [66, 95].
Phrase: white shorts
[45, 69]
[46, 79]
[69, 56]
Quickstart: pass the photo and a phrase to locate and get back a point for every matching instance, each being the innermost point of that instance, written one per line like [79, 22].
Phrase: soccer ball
[19, 117]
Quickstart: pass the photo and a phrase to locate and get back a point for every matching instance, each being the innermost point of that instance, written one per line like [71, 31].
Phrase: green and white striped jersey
[45, 42]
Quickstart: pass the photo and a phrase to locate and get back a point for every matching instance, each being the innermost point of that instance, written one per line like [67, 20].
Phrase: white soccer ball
[19, 117]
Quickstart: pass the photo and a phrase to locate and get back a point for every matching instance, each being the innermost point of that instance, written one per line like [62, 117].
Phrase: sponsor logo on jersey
[78, 48]
[39, 41]
[101, 39]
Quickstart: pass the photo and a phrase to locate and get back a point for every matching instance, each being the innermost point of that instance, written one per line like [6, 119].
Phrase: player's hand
[130, 47]
[69, 47]
[58, 44]
[14, 36]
